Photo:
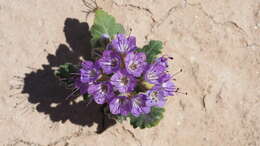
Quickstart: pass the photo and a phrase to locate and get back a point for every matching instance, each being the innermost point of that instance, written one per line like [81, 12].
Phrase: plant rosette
[130, 82]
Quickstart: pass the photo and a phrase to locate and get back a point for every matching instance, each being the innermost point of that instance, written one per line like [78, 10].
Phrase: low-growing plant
[131, 82]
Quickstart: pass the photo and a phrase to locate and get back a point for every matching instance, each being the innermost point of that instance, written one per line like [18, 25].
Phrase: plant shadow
[45, 90]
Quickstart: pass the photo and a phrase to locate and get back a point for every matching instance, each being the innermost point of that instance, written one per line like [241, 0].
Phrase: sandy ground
[215, 42]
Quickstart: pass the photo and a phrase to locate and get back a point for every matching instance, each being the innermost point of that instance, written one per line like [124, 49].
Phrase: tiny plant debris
[131, 82]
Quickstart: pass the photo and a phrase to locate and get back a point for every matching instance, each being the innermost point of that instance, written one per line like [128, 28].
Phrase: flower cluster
[123, 79]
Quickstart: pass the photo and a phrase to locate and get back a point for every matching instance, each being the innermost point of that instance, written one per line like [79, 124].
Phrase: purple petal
[99, 99]
[110, 61]
[102, 92]
[135, 63]
[166, 86]
[161, 103]
[139, 106]
[124, 45]
[120, 105]
[123, 82]
[87, 65]
[131, 43]
[155, 98]
[93, 89]
[83, 87]
[146, 109]
[154, 73]
[89, 72]
[114, 106]
[162, 60]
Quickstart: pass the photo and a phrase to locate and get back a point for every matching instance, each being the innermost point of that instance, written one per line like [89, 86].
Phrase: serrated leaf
[104, 24]
[148, 120]
[119, 118]
[152, 50]
[64, 72]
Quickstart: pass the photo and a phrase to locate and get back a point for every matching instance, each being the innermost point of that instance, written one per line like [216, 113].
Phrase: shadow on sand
[45, 91]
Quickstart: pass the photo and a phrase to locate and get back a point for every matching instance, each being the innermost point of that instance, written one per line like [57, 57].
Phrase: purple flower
[154, 73]
[124, 45]
[102, 92]
[123, 82]
[135, 63]
[162, 60]
[104, 40]
[110, 61]
[89, 72]
[120, 105]
[105, 36]
[83, 87]
[155, 98]
[139, 106]
[166, 86]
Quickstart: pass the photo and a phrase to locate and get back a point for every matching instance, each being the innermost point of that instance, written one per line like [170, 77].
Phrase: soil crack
[133, 136]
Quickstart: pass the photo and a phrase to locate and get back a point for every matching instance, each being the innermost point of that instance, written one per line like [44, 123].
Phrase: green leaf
[152, 50]
[86, 97]
[119, 118]
[64, 73]
[104, 24]
[148, 120]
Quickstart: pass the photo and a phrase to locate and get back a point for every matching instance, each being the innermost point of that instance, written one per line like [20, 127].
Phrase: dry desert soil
[215, 42]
